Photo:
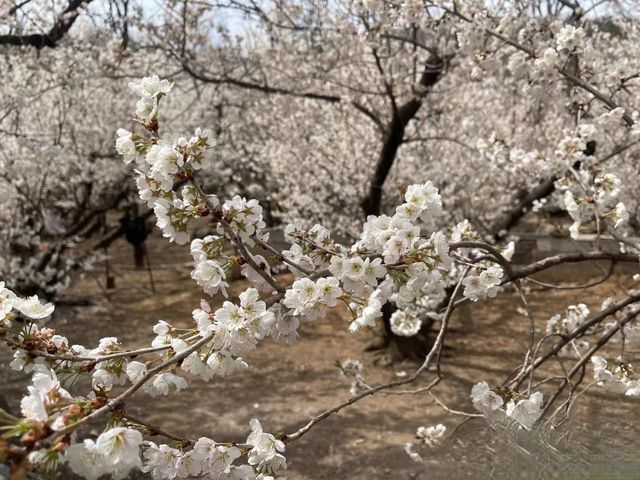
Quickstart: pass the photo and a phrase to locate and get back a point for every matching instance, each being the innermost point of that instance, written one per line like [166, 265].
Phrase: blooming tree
[423, 254]
[355, 99]
[59, 169]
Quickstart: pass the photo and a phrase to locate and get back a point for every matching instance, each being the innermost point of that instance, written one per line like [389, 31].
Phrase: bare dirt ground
[287, 385]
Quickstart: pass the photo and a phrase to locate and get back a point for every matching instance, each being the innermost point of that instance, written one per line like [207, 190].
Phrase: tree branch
[50, 39]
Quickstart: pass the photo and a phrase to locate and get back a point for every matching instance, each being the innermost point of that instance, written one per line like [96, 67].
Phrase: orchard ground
[286, 385]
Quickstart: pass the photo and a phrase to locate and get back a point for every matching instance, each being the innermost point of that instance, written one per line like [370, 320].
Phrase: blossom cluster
[115, 452]
[618, 376]
[430, 436]
[595, 199]
[160, 164]
[216, 460]
[574, 318]
[498, 405]
[484, 285]
[354, 370]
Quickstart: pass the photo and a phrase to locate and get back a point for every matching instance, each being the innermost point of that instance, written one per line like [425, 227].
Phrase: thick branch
[394, 135]
[50, 39]
[264, 88]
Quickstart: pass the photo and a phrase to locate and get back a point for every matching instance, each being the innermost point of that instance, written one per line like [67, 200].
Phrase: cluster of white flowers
[619, 378]
[524, 411]
[164, 163]
[594, 198]
[570, 38]
[298, 255]
[161, 384]
[360, 277]
[357, 274]
[485, 285]
[150, 89]
[312, 248]
[618, 74]
[34, 314]
[238, 327]
[206, 457]
[433, 435]
[216, 460]
[423, 284]
[171, 220]
[159, 164]
[173, 214]
[430, 436]
[366, 314]
[235, 330]
[607, 191]
[244, 217]
[210, 276]
[544, 66]
[116, 452]
[44, 395]
[404, 324]
[575, 316]
[30, 307]
[541, 67]
[265, 454]
[308, 299]
[208, 273]
[108, 373]
[354, 370]
[463, 231]
[365, 279]
[399, 235]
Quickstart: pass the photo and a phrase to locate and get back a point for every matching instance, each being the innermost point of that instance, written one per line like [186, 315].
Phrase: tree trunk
[417, 346]
[138, 255]
[405, 348]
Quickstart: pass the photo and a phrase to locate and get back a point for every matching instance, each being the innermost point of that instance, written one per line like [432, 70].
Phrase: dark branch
[394, 137]
[54, 35]
[247, 85]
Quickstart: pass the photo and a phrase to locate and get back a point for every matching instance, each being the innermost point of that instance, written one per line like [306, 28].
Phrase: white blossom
[484, 399]
[526, 411]
[265, 452]
[570, 38]
[433, 435]
[151, 86]
[163, 383]
[32, 307]
[211, 277]
[404, 324]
